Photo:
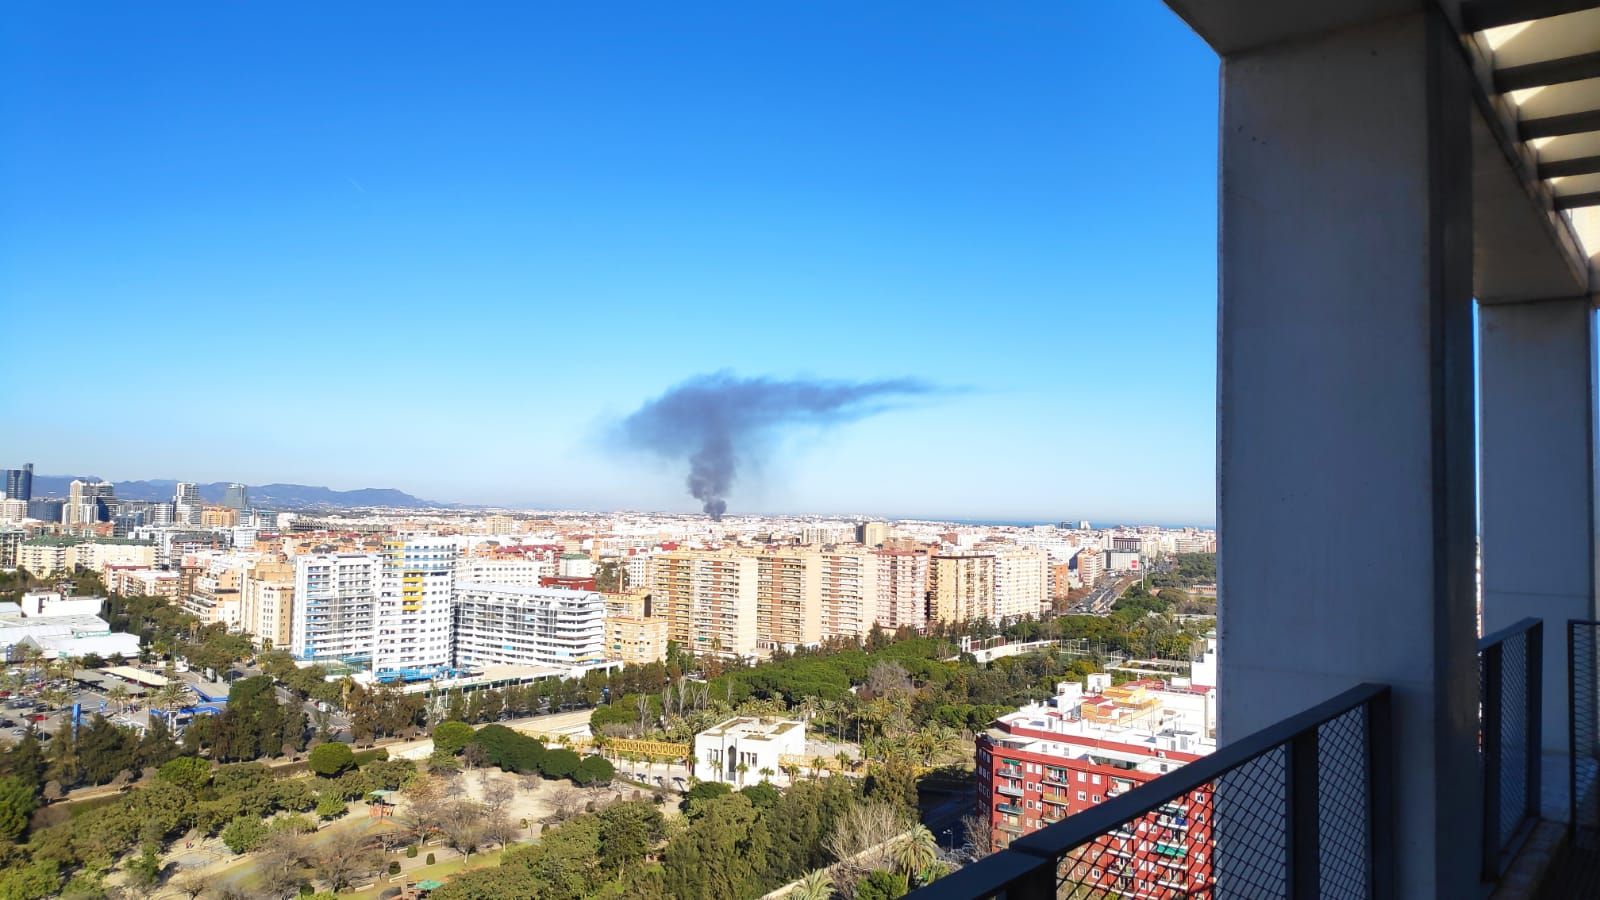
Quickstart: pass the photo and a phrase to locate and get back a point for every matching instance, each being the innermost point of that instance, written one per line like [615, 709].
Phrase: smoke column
[713, 421]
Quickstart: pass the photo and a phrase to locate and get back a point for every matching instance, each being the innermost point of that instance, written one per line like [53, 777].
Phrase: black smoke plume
[716, 421]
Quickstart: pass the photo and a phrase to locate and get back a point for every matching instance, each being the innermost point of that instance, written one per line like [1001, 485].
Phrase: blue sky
[442, 247]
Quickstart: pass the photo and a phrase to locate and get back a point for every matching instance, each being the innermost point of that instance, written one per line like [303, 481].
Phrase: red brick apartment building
[1045, 762]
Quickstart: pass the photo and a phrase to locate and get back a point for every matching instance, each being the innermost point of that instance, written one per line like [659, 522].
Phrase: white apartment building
[522, 625]
[412, 614]
[493, 570]
[1021, 582]
[640, 575]
[334, 598]
[575, 565]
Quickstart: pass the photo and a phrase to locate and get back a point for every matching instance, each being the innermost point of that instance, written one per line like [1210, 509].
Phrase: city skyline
[568, 211]
[860, 514]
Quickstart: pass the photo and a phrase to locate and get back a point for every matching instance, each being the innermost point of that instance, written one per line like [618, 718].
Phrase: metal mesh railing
[1297, 809]
[1583, 694]
[1510, 664]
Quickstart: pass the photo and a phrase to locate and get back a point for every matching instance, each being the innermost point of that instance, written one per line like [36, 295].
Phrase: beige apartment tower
[961, 588]
[849, 592]
[266, 603]
[789, 599]
[710, 600]
[902, 589]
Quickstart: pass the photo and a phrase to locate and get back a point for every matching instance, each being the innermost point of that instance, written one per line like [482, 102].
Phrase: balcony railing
[1510, 664]
[1302, 808]
[1583, 728]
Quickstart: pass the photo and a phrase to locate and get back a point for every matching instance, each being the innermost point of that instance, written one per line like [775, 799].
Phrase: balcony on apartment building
[1409, 223]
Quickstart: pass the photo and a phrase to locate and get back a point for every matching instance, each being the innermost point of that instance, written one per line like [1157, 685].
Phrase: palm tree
[816, 767]
[816, 885]
[767, 773]
[790, 770]
[915, 851]
[118, 696]
[742, 768]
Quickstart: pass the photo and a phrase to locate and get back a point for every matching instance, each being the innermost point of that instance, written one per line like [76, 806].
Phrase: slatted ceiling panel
[1572, 146]
[1545, 56]
[1579, 184]
[1539, 41]
[1558, 99]
[1480, 15]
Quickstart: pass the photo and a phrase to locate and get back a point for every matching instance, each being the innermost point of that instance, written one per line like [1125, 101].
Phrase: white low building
[747, 750]
[61, 627]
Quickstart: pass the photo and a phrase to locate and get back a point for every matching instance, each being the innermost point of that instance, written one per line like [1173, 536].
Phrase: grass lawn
[437, 871]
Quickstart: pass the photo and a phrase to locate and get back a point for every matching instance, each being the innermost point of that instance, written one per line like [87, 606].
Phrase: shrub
[594, 770]
[330, 806]
[394, 867]
[882, 885]
[368, 756]
[429, 860]
[558, 763]
[330, 760]
[243, 834]
[443, 761]
[411, 852]
[452, 737]
[188, 772]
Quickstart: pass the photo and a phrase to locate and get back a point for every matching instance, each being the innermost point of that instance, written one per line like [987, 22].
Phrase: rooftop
[755, 729]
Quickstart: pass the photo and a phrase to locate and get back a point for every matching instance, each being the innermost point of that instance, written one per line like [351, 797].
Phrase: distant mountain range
[268, 496]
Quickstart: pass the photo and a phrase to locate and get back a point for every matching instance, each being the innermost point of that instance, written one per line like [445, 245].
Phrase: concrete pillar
[1345, 440]
[1537, 372]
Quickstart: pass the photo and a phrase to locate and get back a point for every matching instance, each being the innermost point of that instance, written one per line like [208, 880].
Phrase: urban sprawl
[917, 693]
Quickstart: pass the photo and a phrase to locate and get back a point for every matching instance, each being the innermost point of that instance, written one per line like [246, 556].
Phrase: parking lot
[32, 698]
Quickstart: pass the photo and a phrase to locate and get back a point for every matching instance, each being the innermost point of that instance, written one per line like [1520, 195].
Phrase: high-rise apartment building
[87, 503]
[19, 483]
[1021, 582]
[1090, 564]
[826, 534]
[849, 592]
[518, 625]
[789, 599]
[160, 513]
[872, 534]
[45, 509]
[902, 589]
[635, 633]
[412, 615]
[960, 587]
[334, 598]
[186, 503]
[266, 602]
[236, 497]
[11, 547]
[709, 598]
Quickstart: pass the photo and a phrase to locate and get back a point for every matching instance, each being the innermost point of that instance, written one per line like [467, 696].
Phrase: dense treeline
[1188, 569]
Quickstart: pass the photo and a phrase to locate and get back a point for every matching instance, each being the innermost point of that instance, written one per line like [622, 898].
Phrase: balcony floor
[1576, 870]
